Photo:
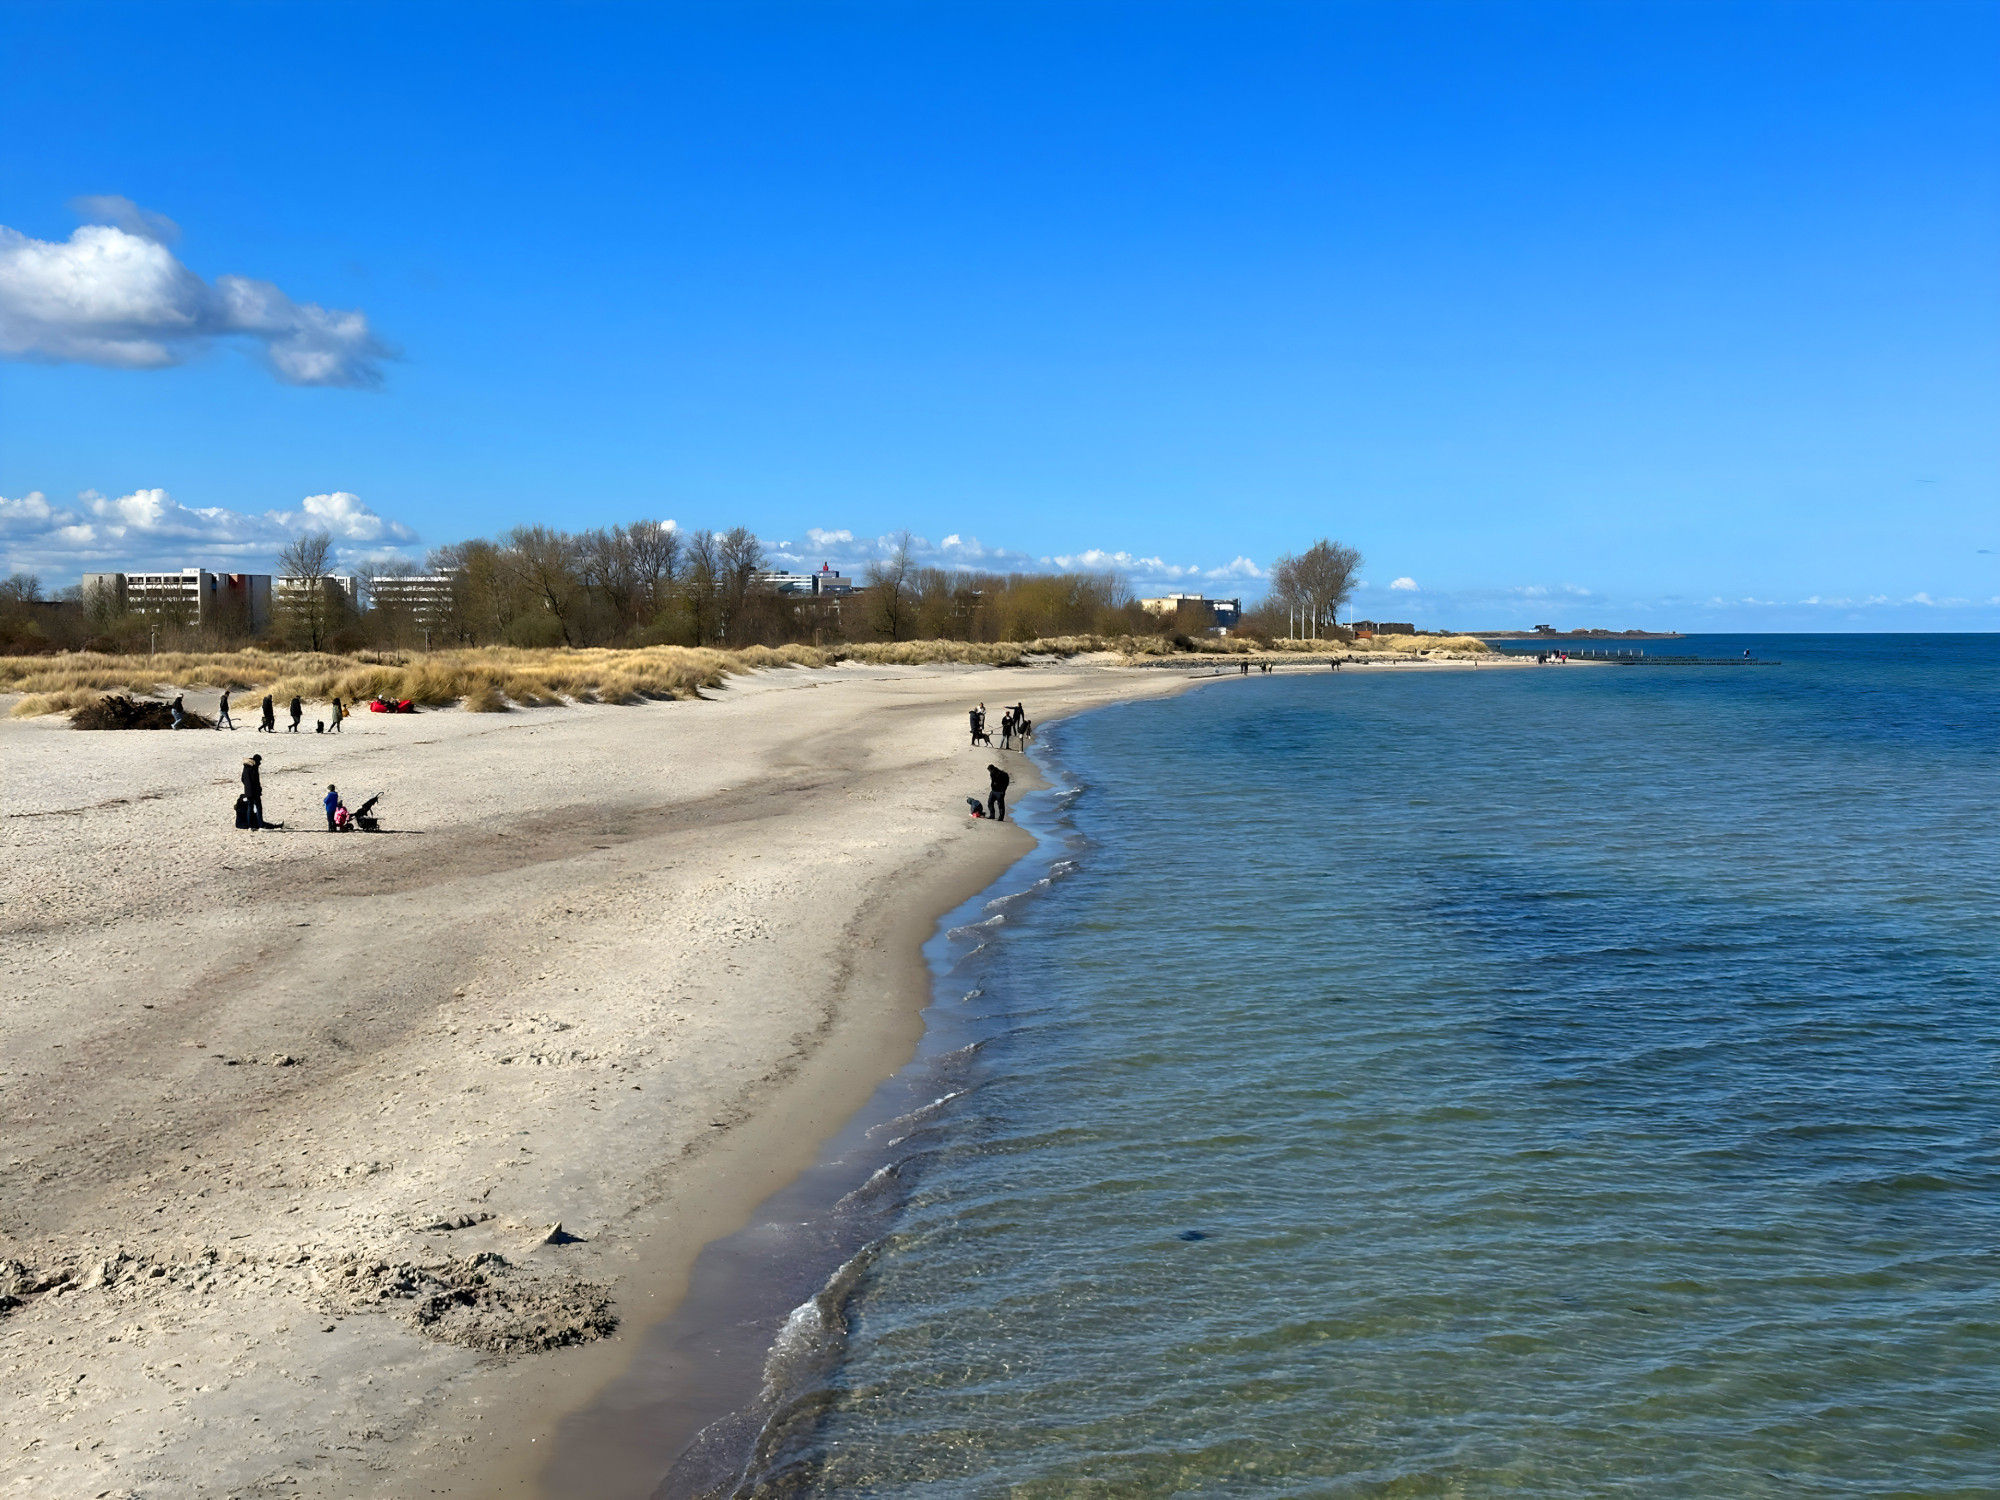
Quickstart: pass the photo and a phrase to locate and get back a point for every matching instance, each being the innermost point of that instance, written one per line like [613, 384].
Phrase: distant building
[192, 595]
[423, 596]
[1395, 627]
[347, 583]
[824, 584]
[1221, 614]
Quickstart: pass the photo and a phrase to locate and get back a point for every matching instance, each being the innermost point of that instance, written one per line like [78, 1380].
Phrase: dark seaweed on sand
[116, 711]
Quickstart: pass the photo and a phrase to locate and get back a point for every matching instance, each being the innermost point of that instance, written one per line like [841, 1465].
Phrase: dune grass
[493, 679]
[486, 680]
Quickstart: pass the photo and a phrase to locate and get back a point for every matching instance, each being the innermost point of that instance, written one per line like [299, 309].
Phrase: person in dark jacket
[270, 724]
[298, 712]
[178, 711]
[996, 796]
[253, 789]
[222, 718]
[977, 726]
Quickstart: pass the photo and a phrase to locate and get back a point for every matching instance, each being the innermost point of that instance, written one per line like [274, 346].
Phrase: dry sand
[288, 1116]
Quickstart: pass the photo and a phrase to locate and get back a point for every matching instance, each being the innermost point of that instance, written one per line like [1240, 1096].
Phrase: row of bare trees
[644, 583]
[649, 583]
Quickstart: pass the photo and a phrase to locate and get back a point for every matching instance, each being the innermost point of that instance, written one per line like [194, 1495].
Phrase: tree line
[645, 583]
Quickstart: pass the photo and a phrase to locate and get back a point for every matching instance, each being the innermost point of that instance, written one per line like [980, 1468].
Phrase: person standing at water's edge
[996, 796]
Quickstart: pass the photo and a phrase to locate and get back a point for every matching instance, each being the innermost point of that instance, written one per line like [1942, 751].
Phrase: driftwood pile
[116, 711]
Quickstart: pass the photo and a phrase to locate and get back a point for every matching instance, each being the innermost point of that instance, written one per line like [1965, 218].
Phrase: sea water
[1567, 1081]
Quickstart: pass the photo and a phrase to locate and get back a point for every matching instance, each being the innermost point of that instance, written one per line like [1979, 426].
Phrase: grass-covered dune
[490, 679]
[486, 679]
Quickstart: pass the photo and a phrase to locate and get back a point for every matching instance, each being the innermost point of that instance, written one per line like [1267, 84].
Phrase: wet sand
[290, 1116]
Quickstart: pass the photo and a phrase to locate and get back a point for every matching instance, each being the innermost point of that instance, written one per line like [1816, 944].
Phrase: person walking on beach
[253, 789]
[269, 723]
[298, 710]
[222, 715]
[996, 795]
[178, 710]
[1021, 727]
[339, 713]
[332, 804]
[978, 718]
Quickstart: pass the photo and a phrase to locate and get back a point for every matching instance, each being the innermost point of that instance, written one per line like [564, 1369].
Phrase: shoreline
[697, 1382]
[235, 1339]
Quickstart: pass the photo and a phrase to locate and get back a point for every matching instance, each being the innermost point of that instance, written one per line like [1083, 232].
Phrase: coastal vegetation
[494, 678]
[646, 584]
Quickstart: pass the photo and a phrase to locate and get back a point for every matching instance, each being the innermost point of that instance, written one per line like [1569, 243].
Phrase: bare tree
[889, 580]
[701, 586]
[545, 561]
[305, 564]
[739, 559]
[1313, 585]
[606, 566]
[656, 553]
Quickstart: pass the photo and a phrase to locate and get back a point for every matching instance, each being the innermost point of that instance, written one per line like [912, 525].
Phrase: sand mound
[482, 1303]
[116, 711]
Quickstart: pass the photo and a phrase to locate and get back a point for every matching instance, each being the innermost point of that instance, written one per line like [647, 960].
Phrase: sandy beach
[291, 1117]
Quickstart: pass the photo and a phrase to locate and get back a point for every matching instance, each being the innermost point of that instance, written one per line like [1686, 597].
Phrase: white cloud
[150, 529]
[113, 294]
[123, 213]
[851, 555]
[1407, 584]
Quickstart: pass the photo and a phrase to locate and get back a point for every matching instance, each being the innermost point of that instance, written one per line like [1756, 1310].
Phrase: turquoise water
[1581, 1082]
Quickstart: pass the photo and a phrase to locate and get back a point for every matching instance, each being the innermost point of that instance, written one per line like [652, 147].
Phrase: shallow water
[1565, 1082]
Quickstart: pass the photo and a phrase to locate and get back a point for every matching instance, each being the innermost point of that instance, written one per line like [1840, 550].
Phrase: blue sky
[1612, 314]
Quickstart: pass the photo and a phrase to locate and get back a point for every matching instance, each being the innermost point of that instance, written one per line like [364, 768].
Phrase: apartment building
[194, 596]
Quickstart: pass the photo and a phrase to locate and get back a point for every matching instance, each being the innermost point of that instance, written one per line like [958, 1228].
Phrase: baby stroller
[364, 815]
